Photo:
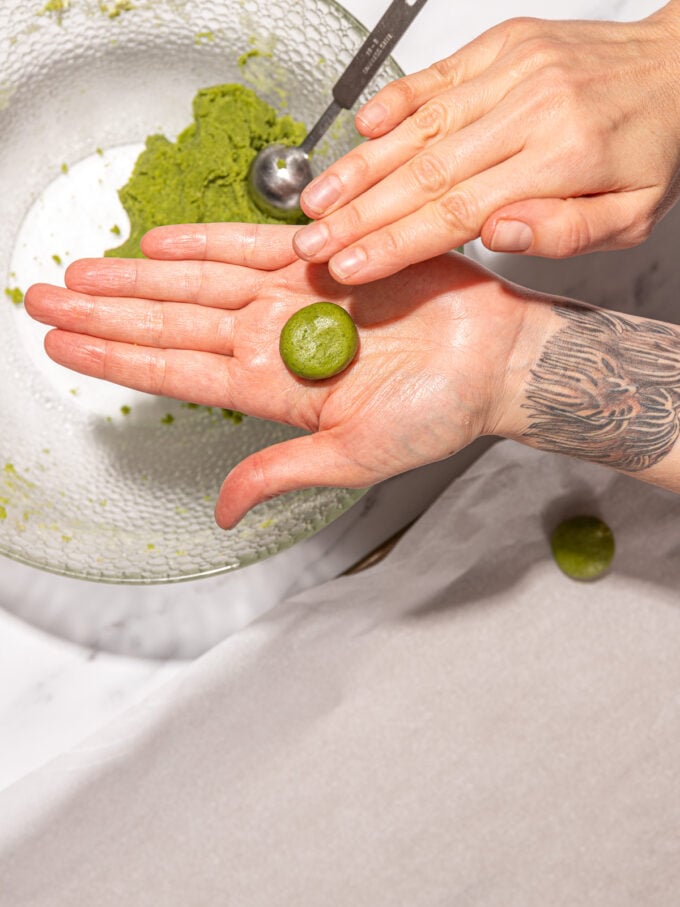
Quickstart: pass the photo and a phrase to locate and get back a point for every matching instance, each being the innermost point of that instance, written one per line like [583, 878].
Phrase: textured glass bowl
[88, 488]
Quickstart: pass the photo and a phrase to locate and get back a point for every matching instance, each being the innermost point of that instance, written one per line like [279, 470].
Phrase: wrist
[599, 386]
[536, 323]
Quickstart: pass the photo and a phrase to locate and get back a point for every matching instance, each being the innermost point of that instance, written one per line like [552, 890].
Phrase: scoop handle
[375, 49]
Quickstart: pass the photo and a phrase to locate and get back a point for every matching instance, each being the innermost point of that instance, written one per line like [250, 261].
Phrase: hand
[201, 320]
[544, 137]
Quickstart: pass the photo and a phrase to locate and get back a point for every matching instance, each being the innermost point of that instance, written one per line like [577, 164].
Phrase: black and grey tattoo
[607, 389]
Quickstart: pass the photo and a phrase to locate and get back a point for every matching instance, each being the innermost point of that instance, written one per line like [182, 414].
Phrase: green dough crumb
[168, 419]
[113, 10]
[115, 229]
[56, 259]
[319, 341]
[64, 168]
[202, 177]
[58, 7]
[233, 415]
[248, 55]
[583, 547]
[3, 513]
[15, 294]
[125, 410]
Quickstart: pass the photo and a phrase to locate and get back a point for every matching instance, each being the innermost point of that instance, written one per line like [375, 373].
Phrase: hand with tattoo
[542, 137]
[447, 352]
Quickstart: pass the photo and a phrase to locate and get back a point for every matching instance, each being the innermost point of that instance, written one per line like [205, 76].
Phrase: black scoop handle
[375, 49]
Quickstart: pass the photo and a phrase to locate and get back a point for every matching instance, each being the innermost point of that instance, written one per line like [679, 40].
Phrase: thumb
[561, 228]
[302, 462]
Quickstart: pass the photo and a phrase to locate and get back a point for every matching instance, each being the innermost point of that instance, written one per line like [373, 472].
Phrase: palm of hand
[408, 397]
[420, 388]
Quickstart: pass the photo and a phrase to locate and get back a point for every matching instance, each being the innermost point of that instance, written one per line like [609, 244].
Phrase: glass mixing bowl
[97, 481]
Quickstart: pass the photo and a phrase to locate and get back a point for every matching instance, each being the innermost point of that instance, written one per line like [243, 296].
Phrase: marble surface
[73, 654]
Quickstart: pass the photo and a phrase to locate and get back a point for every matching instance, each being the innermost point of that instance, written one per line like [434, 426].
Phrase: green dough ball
[583, 547]
[318, 341]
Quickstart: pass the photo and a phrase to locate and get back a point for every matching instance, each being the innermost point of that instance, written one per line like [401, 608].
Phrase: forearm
[599, 386]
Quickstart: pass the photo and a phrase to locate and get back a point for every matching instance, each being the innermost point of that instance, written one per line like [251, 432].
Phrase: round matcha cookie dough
[583, 547]
[319, 341]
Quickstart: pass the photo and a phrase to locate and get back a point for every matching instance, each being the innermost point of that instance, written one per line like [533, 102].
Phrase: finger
[302, 462]
[202, 378]
[424, 178]
[265, 246]
[146, 322]
[203, 282]
[562, 228]
[443, 116]
[439, 226]
[402, 97]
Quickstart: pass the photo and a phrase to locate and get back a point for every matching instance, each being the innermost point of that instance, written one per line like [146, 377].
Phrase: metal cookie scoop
[279, 173]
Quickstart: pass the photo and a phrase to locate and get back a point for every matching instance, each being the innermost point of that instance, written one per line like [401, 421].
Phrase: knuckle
[194, 281]
[224, 333]
[257, 476]
[351, 224]
[575, 237]
[429, 173]
[154, 323]
[540, 53]
[357, 165]
[512, 32]
[447, 71]
[583, 149]
[558, 87]
[392, 244]
[430, 121]
[248, 239]
[400, 93]
[459, 212]
[156, 368]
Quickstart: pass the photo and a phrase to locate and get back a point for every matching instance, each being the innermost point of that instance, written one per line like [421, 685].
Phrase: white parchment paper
[459, 725]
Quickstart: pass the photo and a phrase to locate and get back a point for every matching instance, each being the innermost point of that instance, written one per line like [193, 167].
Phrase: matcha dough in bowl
[202, 176]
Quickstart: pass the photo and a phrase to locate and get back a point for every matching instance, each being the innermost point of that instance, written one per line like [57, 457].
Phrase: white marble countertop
[75, 654]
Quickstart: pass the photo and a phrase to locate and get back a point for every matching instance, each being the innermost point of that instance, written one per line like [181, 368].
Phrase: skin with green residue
[319, 341]
[202, 177]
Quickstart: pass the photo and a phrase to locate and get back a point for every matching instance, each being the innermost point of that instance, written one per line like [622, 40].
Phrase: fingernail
[511, 236]
[372, 115]
[311, 239]
[350, 261]
[322, 193]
